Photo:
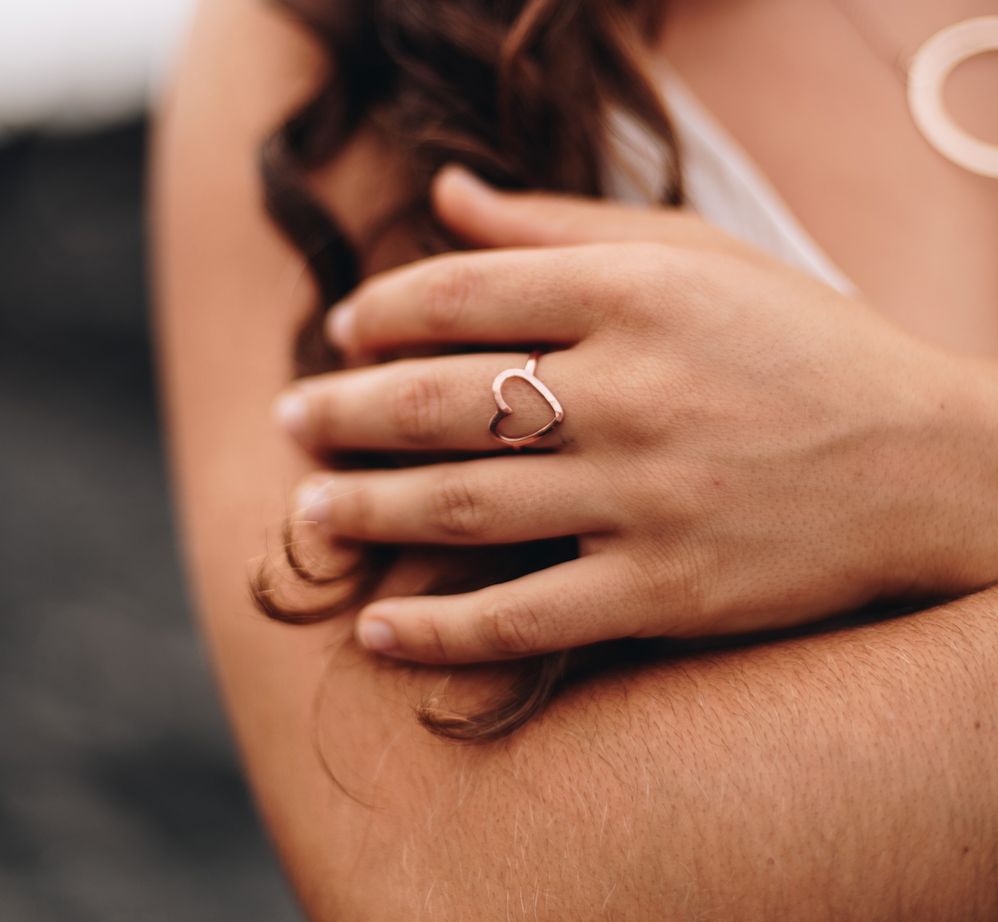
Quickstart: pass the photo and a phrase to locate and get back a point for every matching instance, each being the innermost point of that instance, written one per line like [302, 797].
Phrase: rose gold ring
[504, 409]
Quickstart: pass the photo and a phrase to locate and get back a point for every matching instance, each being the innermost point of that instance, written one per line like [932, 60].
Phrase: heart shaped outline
[504, 409]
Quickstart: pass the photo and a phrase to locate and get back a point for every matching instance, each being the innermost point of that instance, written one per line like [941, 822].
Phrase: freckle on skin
[966, 849]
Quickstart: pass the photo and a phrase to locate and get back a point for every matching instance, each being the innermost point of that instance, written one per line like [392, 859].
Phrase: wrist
[946, 526]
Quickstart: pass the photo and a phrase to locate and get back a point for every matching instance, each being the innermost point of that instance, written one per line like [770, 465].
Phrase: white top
[722, 184]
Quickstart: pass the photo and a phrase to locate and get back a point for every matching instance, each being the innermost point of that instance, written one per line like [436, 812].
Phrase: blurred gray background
[120, 797]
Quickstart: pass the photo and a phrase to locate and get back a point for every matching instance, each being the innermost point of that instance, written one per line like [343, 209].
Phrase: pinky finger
[569, 605]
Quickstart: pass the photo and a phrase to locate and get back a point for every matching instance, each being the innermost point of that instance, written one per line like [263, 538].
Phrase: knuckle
[368, 301]
[696, 574]
[459, 512]
[323, 413]
[683, 580]
[449, 290]
[355, 514]
[430, 638]
[651, 260]
[417, 408]
[511, 627]
[623, 281]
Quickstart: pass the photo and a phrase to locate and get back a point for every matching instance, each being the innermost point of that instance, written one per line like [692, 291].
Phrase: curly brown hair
[518, 91]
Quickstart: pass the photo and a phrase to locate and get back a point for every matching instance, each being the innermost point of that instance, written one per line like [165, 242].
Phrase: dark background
[120, 797]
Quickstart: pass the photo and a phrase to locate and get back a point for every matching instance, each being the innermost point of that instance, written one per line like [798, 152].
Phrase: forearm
[847, 776]
[841, 777]
[853, 761]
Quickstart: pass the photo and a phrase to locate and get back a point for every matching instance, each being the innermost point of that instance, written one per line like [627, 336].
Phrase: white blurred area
[77, 64]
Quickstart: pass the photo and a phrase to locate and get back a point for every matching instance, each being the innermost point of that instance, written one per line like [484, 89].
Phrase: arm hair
[847, 776]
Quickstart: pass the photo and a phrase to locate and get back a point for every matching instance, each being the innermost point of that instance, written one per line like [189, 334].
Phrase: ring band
[504, 409]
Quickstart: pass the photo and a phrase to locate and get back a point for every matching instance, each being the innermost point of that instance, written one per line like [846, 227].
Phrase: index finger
[495, 297]
[490, 217]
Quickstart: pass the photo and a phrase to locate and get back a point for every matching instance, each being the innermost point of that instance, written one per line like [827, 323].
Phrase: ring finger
[440, 403]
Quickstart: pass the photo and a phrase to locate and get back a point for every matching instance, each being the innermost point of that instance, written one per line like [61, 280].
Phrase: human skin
[840, 777]
[730, 462]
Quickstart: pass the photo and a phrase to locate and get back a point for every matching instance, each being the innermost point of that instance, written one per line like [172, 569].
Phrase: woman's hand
[742, 448]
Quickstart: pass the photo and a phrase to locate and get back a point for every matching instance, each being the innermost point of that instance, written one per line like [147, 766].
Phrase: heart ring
[504, 409]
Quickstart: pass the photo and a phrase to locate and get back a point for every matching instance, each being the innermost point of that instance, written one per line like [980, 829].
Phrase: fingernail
[472, 182]
[312, 502]
[340, 325]
[375, 634]
[291, 411]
